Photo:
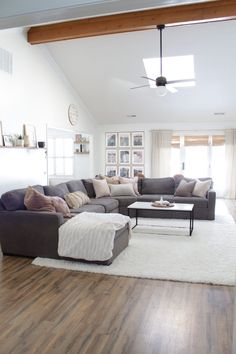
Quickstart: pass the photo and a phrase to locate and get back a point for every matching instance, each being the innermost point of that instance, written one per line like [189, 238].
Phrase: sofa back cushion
[59, 190]
[76, 186]
[14, 199]
[164, 185]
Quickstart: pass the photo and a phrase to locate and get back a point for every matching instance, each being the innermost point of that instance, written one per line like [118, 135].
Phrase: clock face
[73, 114]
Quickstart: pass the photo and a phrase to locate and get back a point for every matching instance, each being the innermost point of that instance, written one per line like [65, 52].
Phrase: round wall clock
[73, 114]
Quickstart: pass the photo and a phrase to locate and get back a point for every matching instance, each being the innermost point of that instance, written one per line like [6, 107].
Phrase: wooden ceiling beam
[133, 21]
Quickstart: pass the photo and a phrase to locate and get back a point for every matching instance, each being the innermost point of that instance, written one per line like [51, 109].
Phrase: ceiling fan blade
[145, 77]
[172, 89]
[137, 87]
[177, 81]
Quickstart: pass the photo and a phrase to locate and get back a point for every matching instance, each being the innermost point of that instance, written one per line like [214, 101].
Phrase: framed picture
[7, 140]
[124, 157]
[1, 137]
[111, 157]
[124, 139]
[136, 170]
[138, 139]
[30, 135]
[111, 139]
[124, 171]
[111, 171]
[138, 157]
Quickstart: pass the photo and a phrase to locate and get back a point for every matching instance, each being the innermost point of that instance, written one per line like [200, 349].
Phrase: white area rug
[208, 256]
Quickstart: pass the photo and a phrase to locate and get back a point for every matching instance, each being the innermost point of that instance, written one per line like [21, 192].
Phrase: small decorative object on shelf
[29, 136]
[41, 144]
[19, 141]
[8, 141]
[81, 144]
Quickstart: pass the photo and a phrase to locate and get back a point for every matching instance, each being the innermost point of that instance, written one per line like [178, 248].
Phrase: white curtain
[161, 153]
[230, 158]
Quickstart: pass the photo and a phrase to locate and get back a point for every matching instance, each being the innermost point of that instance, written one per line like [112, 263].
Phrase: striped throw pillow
[76, 199]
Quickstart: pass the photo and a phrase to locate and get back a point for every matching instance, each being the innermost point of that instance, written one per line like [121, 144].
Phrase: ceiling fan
[161, 82]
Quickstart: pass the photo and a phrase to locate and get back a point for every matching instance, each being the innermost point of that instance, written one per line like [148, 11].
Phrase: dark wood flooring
[59, 311]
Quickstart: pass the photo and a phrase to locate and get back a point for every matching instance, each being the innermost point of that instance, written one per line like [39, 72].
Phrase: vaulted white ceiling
[103, 69]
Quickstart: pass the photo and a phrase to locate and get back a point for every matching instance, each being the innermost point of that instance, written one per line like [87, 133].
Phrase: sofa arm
[211, 196]
[30, 233]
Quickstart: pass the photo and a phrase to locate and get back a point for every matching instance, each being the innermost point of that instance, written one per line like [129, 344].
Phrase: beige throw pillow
[122, 190]
[185, 188]
[101, 188]
[201, 188]
[76, 199]
[112, 180]
[134, 181]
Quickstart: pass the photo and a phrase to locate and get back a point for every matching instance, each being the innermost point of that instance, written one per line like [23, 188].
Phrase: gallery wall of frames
[124, 153]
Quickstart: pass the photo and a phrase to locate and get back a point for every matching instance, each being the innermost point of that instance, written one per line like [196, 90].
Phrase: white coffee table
[178, 207]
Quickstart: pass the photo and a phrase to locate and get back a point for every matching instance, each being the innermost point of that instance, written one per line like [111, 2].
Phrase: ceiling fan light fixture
[161, 90]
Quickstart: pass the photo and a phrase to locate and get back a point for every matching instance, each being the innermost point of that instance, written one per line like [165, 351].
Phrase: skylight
[173, 68]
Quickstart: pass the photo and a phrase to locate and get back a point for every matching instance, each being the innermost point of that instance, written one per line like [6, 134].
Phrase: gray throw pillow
[185, 189]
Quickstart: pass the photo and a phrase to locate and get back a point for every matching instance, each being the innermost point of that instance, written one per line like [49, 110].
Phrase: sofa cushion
[59, 190]
[1, 206]
[76, 186]
[101, 188]
[14, 199]
[76, 199]
[158, 185]
[91, 208]
[198, 202]
[154, 197]
[36, 201]
[108, 203]
[185, 188]
[122, 189]
[124, 201]
[88, 184]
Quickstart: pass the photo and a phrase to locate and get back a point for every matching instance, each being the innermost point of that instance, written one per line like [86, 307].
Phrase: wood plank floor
[59, 311]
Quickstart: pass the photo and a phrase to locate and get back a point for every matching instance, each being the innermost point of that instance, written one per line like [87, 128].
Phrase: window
[60, 153]
[200, 156]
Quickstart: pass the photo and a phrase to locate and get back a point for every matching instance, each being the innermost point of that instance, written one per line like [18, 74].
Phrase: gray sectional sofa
[33, 233]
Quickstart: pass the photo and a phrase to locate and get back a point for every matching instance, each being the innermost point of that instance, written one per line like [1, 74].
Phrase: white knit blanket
[90, 236]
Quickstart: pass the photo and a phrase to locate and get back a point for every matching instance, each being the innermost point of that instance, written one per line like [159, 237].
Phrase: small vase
[26, 140]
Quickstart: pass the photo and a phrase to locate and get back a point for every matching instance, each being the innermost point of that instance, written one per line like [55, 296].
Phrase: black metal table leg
[191, 222]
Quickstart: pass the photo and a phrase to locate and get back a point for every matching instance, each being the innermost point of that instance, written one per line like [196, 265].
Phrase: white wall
[36, 93]
[190, 128]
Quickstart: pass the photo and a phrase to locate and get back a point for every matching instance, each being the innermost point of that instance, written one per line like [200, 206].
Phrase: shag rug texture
[208, 256]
